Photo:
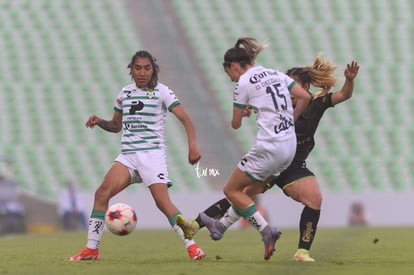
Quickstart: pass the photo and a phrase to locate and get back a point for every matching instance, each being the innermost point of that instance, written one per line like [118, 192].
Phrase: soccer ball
[121, 219]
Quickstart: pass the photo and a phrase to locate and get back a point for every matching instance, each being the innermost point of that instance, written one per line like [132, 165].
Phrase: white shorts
[267, 159]
[147, 167]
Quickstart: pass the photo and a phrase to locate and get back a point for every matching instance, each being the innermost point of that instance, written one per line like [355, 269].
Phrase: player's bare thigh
[306, 190]
[234, 187]
[159, 192]
[116, 179]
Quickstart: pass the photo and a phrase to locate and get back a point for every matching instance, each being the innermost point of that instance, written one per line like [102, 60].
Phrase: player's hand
[351, 70]
[247, 111]
[194, 155]
[92, 121]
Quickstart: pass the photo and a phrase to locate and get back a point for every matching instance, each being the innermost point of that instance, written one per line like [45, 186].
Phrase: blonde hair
[321, 75]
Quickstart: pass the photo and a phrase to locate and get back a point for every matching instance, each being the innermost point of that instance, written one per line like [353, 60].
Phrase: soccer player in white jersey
[266, 92]
[297, 181]
[140, 112]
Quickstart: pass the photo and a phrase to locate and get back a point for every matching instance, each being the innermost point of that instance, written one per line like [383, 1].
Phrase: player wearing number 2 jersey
[144, 128]
[266, 92]
[140, 112]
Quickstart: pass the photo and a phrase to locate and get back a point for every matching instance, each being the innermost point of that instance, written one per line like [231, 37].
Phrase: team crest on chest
[150, 94]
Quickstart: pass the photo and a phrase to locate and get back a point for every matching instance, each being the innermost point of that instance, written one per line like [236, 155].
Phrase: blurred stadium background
[61, 61]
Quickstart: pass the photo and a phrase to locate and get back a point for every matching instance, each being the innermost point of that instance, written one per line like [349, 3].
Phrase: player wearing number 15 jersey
[297, 181]
[267, 93]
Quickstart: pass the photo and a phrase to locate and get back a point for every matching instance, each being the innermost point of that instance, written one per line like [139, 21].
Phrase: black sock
[216, 210]
[307, 227]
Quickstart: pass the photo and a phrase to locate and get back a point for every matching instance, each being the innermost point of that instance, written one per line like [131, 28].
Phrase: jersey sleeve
[118, 102]
[289, 82]
[328, 100]
[240, 97]
[169, 98]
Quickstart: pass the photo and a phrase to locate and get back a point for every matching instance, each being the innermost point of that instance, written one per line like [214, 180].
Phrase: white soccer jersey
[143, 116]
[267, 91]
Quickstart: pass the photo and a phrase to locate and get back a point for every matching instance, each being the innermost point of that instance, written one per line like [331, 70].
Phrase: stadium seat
[77, 59]
[76, 53]
[363, 127]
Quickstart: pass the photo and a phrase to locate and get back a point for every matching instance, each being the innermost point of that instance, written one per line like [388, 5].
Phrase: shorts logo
[161, 176]
[243, 161]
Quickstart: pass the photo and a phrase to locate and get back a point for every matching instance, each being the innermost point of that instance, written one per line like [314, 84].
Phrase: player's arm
[193, 152]
[302, 98]
[113, 126]
[345, 93]
[240, 111]
[236, 120]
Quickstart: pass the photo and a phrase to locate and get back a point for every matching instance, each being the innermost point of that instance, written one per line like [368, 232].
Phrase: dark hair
[300, 73]
[144, 54]
[244, 51]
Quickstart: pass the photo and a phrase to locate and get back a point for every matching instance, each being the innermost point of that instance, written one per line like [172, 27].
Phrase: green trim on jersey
[133, 142]
[142, 114]
[140, 149]
[146, 138]
[291, 85]
[142, 121]
[238, 105]
[151, 105]
[143, 97]
[251, 177]
[173, 105]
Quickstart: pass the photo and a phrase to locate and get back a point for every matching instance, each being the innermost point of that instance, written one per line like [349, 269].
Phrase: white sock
[180, 233]
[257, 221]
[229, 218]
[95, 232]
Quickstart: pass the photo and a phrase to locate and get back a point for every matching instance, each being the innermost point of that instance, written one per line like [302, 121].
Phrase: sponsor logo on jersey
[258, 77]
[285, 124]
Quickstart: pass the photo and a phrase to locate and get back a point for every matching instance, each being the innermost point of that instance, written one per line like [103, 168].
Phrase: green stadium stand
[63, 60]
[361, 145]
[60, 62]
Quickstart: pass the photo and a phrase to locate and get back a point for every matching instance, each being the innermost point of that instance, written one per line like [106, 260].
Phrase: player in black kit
[297, 181]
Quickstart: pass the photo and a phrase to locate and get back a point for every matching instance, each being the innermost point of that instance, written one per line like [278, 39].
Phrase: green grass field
[337, 251]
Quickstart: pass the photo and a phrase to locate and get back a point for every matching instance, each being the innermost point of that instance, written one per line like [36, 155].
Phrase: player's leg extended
[245, 206]
[306, 190]
[190, 227]
[163, 201]
[116, 179]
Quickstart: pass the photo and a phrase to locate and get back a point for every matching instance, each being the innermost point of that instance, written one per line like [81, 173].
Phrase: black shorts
[293, 173]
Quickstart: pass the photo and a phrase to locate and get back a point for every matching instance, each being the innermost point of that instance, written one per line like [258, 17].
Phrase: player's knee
[102, 193]
[228, 192]
[313, 200]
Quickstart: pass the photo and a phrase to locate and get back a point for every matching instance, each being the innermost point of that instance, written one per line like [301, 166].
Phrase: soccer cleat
[269, 236]
[195, 252]
[189, 227]
[302, 255]
[85, 254]
[214, 226]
